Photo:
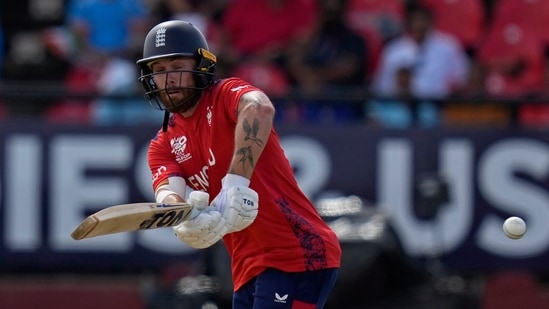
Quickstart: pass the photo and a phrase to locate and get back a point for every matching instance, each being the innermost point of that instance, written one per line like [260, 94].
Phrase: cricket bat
[132, 217]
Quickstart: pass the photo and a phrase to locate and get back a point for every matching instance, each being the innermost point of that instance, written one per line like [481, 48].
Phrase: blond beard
[183, 101]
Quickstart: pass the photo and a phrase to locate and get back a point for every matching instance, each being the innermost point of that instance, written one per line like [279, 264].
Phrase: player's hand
[198, 199]
[205, 227]
[237, 203]
[202, 231]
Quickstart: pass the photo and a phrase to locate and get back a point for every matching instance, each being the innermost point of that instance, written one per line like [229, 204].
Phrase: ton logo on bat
[169, 218]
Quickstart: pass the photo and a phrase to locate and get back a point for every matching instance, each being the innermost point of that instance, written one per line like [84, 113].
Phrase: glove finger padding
[202, 231]
[239, 206]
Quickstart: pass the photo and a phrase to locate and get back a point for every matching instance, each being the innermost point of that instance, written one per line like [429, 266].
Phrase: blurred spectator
[33, 57]
[258, 41]
[475, 85]
[124, 107]
[81, 77]
[162, 10]
[118, 100]
[111, 27]
[462, 18]
[77, 77]
[109, 36]
[438, 61]
[332, 56]
[404, 110]
[203, 14]
[386, 17]
[195, 12]
[378, 21]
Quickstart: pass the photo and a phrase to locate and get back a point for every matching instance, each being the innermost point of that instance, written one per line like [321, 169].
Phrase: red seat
[81, 293]
[391, 7]
[534, 13]
[80, 78]
[533, 115]
[462, 18]
[511, 290]
[266, 76]
[70, 112]
[506, 45]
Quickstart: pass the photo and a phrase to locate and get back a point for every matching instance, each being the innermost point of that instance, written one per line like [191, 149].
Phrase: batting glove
[206, 225]
[237, 203]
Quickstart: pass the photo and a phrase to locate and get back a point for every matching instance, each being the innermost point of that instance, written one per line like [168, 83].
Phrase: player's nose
[173, 78]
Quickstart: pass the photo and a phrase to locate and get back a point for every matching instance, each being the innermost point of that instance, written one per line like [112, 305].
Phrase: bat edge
[84, 228]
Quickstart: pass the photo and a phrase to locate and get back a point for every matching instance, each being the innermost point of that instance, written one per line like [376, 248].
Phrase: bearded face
[175, 82]
[179, 99]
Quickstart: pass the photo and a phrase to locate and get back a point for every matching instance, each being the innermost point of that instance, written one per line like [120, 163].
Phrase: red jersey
[288, 233]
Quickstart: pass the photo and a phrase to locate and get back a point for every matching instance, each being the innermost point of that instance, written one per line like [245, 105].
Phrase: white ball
[514, 227]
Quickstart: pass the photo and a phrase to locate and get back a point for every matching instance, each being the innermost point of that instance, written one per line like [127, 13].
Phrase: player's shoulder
[232, 84]
[162, 134]
[158, 136]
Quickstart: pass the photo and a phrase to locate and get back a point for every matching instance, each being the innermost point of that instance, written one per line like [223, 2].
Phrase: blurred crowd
[386, 62]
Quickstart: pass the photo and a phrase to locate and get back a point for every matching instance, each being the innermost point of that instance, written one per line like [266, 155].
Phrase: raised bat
[132, 217]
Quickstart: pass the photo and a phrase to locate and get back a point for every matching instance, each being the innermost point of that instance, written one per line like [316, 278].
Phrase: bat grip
[199, 200]
[194, 213]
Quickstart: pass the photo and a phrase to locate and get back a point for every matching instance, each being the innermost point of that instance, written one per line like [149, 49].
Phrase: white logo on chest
[178, 148]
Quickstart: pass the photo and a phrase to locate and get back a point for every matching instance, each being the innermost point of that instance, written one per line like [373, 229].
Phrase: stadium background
[418, 210]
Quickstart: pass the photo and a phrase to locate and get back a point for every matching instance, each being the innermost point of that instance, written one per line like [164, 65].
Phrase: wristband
[188, 191]
[162, 193]
[233, 180]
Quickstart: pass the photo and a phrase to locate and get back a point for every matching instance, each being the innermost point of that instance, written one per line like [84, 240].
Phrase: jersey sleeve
[230, 91]
[161, 161]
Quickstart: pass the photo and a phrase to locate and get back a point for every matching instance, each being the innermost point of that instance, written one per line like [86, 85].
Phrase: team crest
[160, 38]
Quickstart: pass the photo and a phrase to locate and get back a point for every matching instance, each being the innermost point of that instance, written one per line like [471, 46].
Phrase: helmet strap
[165, 122]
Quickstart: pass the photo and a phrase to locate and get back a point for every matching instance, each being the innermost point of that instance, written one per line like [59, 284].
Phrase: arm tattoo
[251, 132]
[246, 153]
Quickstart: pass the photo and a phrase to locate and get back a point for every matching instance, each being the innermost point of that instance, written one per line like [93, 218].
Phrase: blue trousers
[282, 290]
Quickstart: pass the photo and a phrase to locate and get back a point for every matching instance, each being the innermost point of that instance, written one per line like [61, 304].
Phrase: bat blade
[131, 217]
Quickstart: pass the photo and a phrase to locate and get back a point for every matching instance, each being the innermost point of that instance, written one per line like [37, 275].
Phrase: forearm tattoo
[251, 132]
[246, 156]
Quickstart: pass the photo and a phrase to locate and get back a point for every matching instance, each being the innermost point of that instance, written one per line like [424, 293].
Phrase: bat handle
[194, 213]
[199, 200]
